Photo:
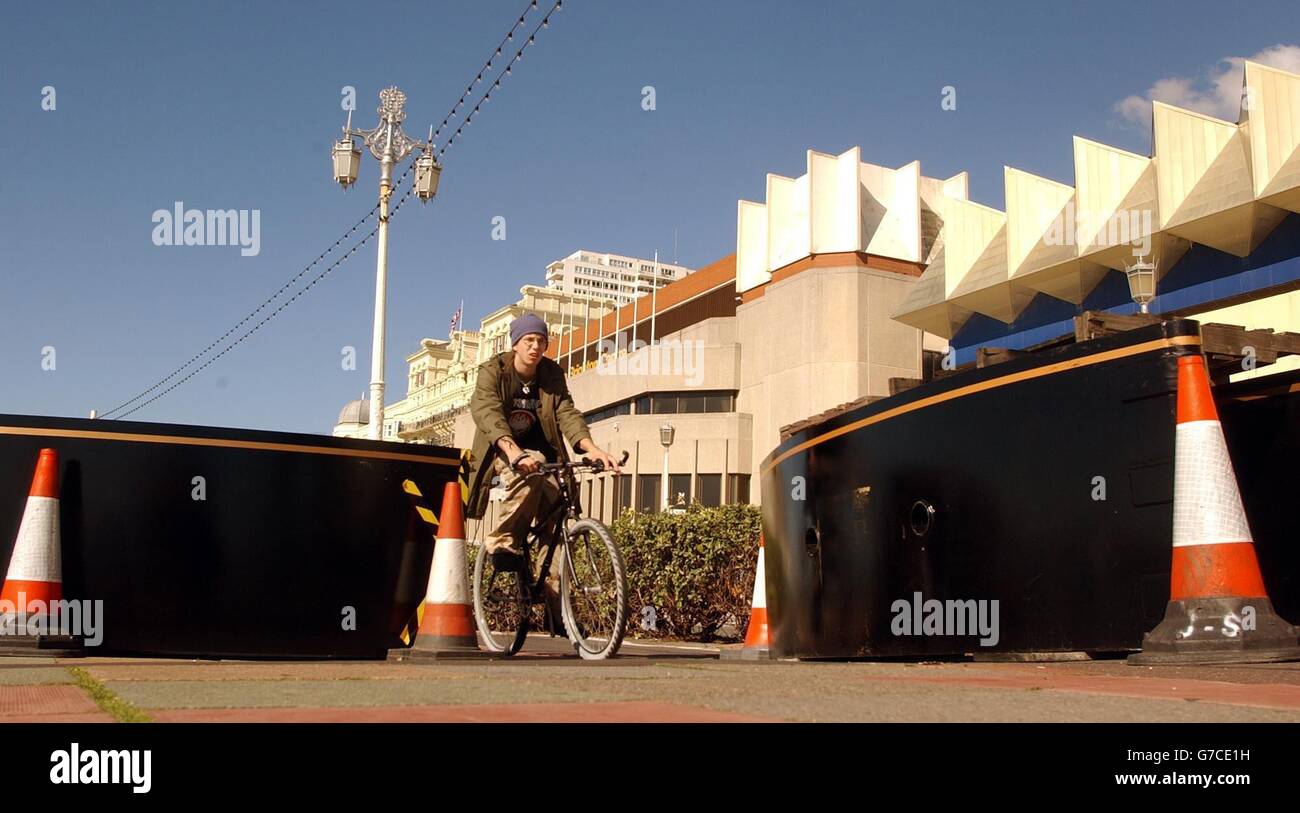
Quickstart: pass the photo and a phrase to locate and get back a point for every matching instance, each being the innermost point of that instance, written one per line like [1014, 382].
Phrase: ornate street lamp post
[390, 146]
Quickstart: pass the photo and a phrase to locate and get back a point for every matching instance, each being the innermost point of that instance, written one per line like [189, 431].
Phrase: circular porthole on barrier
[812, 540]
[921, 518]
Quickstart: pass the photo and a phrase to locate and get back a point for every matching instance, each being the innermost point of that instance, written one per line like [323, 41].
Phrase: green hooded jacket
[557, 414]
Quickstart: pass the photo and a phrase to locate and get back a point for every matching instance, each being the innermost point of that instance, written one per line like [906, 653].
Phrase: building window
[649, 496]
[623, 493]
[670, 403]
[691, 403]
[738, 487]
[622, 408]
[663, 404]
[679, 490]
[708, 489]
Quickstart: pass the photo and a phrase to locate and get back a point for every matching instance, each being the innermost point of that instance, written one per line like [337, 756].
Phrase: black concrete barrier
[211, 542]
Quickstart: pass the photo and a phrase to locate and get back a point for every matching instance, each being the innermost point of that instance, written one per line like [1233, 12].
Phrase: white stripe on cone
[36, 556]
[449, 581]
[1207, 504]
[760, 583]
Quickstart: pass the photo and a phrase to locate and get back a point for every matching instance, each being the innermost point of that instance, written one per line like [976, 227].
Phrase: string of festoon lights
[342, 259]
[242, 322]
[143, 399]
[507, 71]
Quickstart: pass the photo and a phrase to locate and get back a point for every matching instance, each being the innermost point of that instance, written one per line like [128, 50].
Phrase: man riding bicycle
[523, 413]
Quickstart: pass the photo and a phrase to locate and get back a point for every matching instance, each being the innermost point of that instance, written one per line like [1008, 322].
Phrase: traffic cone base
[1212, 630]
[1218, 610]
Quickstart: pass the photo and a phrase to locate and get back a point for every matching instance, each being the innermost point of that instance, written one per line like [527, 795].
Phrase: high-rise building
[611, 277]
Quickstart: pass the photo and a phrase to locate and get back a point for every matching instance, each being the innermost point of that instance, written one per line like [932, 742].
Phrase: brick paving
[656, 684]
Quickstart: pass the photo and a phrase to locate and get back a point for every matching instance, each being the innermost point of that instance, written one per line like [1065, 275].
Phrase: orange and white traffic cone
[35, 576]
[447, 622]
[1218, 610]
[758, 640]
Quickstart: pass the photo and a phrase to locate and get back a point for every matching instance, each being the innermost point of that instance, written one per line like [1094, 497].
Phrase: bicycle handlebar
[596, 466]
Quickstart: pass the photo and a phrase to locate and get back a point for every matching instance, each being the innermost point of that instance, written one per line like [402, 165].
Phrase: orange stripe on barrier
[983, 386]
[257, 445]
[1212, 571]
[1195, 403]
[32, 591]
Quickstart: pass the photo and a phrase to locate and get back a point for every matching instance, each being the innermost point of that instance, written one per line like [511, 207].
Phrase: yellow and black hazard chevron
[465, 457]
[421, 507]
[430, 519]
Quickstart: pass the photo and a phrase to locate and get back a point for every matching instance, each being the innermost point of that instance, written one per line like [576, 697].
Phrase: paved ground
[667, 683]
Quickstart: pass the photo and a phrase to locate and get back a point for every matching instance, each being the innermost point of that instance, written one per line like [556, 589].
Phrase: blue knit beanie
[528, 323]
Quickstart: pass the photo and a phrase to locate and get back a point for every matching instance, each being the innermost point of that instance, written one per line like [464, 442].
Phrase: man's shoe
[508, 561]
[555, 622]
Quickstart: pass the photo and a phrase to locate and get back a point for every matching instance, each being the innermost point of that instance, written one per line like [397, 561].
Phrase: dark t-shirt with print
[521, 415]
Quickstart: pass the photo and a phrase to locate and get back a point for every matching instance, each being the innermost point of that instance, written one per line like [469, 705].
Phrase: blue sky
[235, 105]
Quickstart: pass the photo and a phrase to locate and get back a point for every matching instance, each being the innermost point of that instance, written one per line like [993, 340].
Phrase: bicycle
[593, 588]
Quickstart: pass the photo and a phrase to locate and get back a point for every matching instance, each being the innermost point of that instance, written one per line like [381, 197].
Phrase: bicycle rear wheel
[501, 605]
[593, 590]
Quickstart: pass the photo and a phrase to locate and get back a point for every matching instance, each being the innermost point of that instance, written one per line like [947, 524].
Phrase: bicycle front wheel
[501, 605]
[593, 590]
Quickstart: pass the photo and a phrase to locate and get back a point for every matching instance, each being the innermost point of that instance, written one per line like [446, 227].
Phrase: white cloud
[1217, 93]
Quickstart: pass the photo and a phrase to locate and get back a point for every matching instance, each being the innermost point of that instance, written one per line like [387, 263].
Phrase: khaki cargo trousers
[527, 499]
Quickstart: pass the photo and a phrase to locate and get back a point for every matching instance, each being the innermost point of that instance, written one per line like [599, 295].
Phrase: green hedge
[696, 569]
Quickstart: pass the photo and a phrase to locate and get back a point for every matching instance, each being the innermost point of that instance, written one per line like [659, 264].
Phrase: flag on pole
[586, 322]
[455, 317]
[654, 291]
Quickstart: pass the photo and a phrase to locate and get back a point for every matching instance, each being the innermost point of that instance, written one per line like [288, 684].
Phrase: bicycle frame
[565, 508]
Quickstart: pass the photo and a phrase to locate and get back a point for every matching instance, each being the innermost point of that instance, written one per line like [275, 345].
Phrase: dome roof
[355, 412]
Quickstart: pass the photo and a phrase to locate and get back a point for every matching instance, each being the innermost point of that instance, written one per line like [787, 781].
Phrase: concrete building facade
[847, 276]
[1216, 207]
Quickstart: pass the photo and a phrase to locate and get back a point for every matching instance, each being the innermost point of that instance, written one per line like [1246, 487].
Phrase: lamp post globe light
[390, 146]
[1141, 282]
[666, 432]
